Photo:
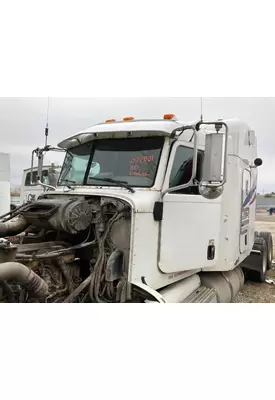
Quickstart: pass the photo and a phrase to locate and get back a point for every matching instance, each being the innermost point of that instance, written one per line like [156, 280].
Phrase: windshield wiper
[67, 181]
[119, 183]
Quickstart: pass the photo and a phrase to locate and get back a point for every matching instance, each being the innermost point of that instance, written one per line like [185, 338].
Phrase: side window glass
[45, 177]
[182, 169]
[28, 178]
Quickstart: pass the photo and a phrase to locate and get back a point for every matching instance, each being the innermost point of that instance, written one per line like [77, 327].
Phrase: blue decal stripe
[253, 199]
[249, 196]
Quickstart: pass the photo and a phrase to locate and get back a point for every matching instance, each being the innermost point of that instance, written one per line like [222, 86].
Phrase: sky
[22, 122]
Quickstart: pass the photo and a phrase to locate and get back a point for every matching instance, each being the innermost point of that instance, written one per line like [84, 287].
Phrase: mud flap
[257, 260]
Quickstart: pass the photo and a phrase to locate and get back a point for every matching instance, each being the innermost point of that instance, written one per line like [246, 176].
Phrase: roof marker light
[169, 116]
[128, 119]
[110, 120]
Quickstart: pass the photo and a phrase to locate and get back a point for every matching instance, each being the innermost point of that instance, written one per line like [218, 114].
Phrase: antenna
[47, 124]
[201, 111]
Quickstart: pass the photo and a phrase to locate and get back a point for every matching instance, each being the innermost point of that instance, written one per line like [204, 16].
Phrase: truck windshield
[133, 161]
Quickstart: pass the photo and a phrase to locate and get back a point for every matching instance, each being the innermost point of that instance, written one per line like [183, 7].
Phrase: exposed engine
[64, 249]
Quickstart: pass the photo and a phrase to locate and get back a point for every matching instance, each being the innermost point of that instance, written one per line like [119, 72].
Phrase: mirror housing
[210, 193]
[215, 160]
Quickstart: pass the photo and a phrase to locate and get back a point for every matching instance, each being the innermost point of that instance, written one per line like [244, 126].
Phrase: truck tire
[269, 243]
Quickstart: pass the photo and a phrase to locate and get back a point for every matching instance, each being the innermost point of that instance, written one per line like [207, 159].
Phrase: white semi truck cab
[30, 189]
[145, 211]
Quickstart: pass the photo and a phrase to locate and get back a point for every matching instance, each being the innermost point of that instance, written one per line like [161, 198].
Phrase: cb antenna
[47, 124]
[201, 110]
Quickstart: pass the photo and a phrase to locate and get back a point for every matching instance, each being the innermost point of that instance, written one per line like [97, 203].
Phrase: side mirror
[213, 177]
[213, 166]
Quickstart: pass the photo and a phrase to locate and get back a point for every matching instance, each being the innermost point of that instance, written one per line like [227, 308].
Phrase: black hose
[14, 213]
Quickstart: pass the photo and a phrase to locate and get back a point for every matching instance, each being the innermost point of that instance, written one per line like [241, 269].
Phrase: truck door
[189, 233]
[247, 197]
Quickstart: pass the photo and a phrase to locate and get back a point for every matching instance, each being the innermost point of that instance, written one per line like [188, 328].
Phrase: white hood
[142, 200]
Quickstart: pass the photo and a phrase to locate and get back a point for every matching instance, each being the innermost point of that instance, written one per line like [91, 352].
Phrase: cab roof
[123, 129]
[139, 128]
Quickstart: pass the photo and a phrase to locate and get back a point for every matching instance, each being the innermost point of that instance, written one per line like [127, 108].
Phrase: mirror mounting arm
[40, 155]
[195, 157]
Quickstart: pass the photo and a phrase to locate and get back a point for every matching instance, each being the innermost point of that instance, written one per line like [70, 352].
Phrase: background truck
[144, 211]
[30, 189]
[4, 183]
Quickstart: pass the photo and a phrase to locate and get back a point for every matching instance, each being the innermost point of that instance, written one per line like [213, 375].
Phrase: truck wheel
[260, 245]
[269, 243]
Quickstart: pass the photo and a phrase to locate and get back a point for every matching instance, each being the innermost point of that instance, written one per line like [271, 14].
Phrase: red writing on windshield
[137, 163]
[140, 159]
[134, 167]
[141, 174]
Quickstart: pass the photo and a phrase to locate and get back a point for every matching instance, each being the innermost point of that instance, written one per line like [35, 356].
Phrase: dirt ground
[254, 292]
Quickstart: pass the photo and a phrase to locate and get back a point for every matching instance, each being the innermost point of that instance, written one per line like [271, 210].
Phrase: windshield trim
[107, 184]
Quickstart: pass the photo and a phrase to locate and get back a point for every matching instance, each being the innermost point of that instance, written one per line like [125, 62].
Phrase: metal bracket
[195, 158]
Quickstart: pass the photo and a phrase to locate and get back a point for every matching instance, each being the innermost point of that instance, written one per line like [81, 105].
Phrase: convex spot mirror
[258, 162]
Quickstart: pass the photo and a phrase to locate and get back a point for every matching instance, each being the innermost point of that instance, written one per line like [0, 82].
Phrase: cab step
[202, 295]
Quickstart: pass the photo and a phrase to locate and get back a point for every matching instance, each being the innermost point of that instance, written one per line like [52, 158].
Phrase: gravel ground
[254, 292]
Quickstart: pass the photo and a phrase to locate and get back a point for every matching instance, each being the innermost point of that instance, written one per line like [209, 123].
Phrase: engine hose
[91, 279]
[121, 291]
[13, 227]
[53, 254]
[99, 267]
[97, 282]
[78, 290]
[14, 271]
[14, 213]
[63, 268]
[108, 288]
